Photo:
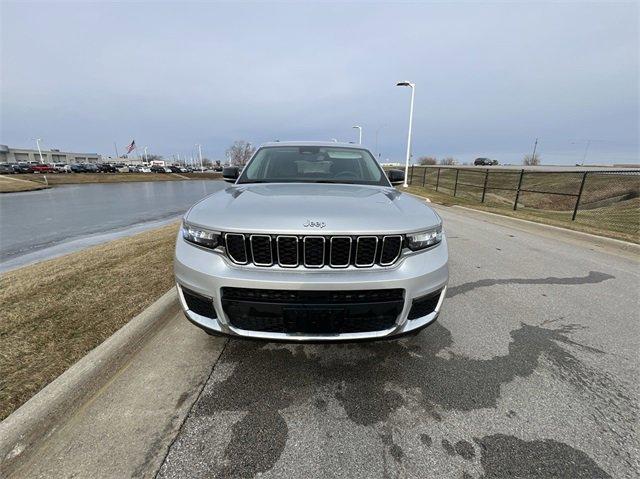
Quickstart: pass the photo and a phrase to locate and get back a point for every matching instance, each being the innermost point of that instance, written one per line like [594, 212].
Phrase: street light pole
[406, 166]
[38, 140]
[200, 155]
[359, 133]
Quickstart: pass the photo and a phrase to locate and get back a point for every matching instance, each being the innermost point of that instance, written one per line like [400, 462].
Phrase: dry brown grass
[56, 311]
[605, 223]
[13, 185]
[77, 178]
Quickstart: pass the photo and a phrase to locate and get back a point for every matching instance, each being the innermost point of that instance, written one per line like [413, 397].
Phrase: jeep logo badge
[314, 224]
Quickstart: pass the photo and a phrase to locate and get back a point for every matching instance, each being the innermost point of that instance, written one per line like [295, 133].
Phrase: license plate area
[311, 319]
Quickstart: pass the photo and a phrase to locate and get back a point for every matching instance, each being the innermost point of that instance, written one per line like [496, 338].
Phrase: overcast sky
[491, 77]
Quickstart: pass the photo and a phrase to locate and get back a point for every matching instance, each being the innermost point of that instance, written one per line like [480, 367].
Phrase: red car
[43, 168]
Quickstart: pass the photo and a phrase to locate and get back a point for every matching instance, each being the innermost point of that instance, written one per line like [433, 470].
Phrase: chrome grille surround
[287, 265]
[244, 245]
[345, 265]
[358, 249]
[397, 255]
[253, 254]
[304, 253]
[313, 251]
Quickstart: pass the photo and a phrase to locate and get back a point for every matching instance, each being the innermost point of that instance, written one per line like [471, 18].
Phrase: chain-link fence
[602, 199]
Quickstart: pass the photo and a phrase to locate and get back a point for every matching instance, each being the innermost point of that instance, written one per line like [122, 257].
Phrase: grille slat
[314, 251]
[287, 251]
[340, 251]
[236, 248]
[291, 251]
[261, 250]
[366, 247]
[391, 249]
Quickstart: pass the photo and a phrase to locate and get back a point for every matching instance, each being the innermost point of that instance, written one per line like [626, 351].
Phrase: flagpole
[116, 148]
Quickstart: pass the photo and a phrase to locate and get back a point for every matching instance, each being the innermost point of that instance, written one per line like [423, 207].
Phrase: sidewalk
[126, 428]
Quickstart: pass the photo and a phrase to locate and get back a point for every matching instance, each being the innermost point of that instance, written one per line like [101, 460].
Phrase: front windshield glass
[313, 164]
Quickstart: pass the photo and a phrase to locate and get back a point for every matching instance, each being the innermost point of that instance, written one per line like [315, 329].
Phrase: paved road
[531, 371]
[33, 221]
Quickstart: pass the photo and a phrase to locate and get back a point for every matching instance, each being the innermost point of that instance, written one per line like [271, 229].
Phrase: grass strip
[597, 225]
[56, 311]
[9, 184]
[80, 178]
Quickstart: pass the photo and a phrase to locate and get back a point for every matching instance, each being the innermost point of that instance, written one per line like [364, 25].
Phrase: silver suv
[311, 242]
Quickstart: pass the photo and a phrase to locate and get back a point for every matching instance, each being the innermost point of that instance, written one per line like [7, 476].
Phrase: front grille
[312, 312]
[313, 251]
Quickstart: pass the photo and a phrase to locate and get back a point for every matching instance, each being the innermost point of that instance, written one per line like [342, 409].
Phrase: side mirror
[396, 177]
[230, 174]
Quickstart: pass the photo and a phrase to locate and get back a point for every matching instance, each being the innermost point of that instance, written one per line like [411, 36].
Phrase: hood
[285, 208]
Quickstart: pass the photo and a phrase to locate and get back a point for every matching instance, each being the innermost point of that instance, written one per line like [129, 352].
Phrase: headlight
[200, 236]
[425, 239]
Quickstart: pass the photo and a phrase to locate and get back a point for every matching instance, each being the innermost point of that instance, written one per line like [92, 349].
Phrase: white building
[18, 155]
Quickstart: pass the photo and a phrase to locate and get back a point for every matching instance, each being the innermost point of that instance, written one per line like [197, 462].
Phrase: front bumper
[205, 273]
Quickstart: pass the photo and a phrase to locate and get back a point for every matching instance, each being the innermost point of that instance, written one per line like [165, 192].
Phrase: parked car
[485, 162]
[175, 169]
[77, 168]
[6, 169]
[107, 168]
[244, 255]
[90, 168]
[122, 168]
[43, 168]
[24, 168]
[62, 168]
[158, 169]
[144, 169]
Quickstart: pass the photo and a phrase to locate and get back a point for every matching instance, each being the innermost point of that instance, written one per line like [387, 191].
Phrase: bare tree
[448, 161]
[531, 160]
[240, 152]
[427, 160]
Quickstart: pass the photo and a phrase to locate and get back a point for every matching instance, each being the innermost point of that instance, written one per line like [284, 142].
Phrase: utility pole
[533, 156]
[586, 150]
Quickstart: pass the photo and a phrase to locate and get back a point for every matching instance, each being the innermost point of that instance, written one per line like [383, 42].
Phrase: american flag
[131, 147]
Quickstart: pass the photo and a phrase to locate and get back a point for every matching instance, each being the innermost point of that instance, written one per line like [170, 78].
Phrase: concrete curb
[35, 420]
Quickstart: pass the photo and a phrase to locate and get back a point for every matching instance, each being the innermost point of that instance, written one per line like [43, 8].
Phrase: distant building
[18, 155]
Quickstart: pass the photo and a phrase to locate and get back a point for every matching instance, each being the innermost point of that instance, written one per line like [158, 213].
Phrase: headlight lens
[425, 239]
[200, 236]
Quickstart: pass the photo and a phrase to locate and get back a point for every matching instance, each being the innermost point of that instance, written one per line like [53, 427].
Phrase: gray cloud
[490, 77]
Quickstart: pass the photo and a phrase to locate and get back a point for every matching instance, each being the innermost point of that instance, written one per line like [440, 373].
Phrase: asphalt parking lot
[531, 371]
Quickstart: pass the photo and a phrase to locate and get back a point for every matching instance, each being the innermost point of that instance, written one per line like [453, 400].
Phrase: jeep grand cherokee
[311, 242]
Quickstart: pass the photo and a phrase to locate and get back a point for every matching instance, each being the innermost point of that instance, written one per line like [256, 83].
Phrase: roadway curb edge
[31, 423]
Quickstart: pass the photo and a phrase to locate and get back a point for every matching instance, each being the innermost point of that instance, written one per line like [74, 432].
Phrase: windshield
[313, 164]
